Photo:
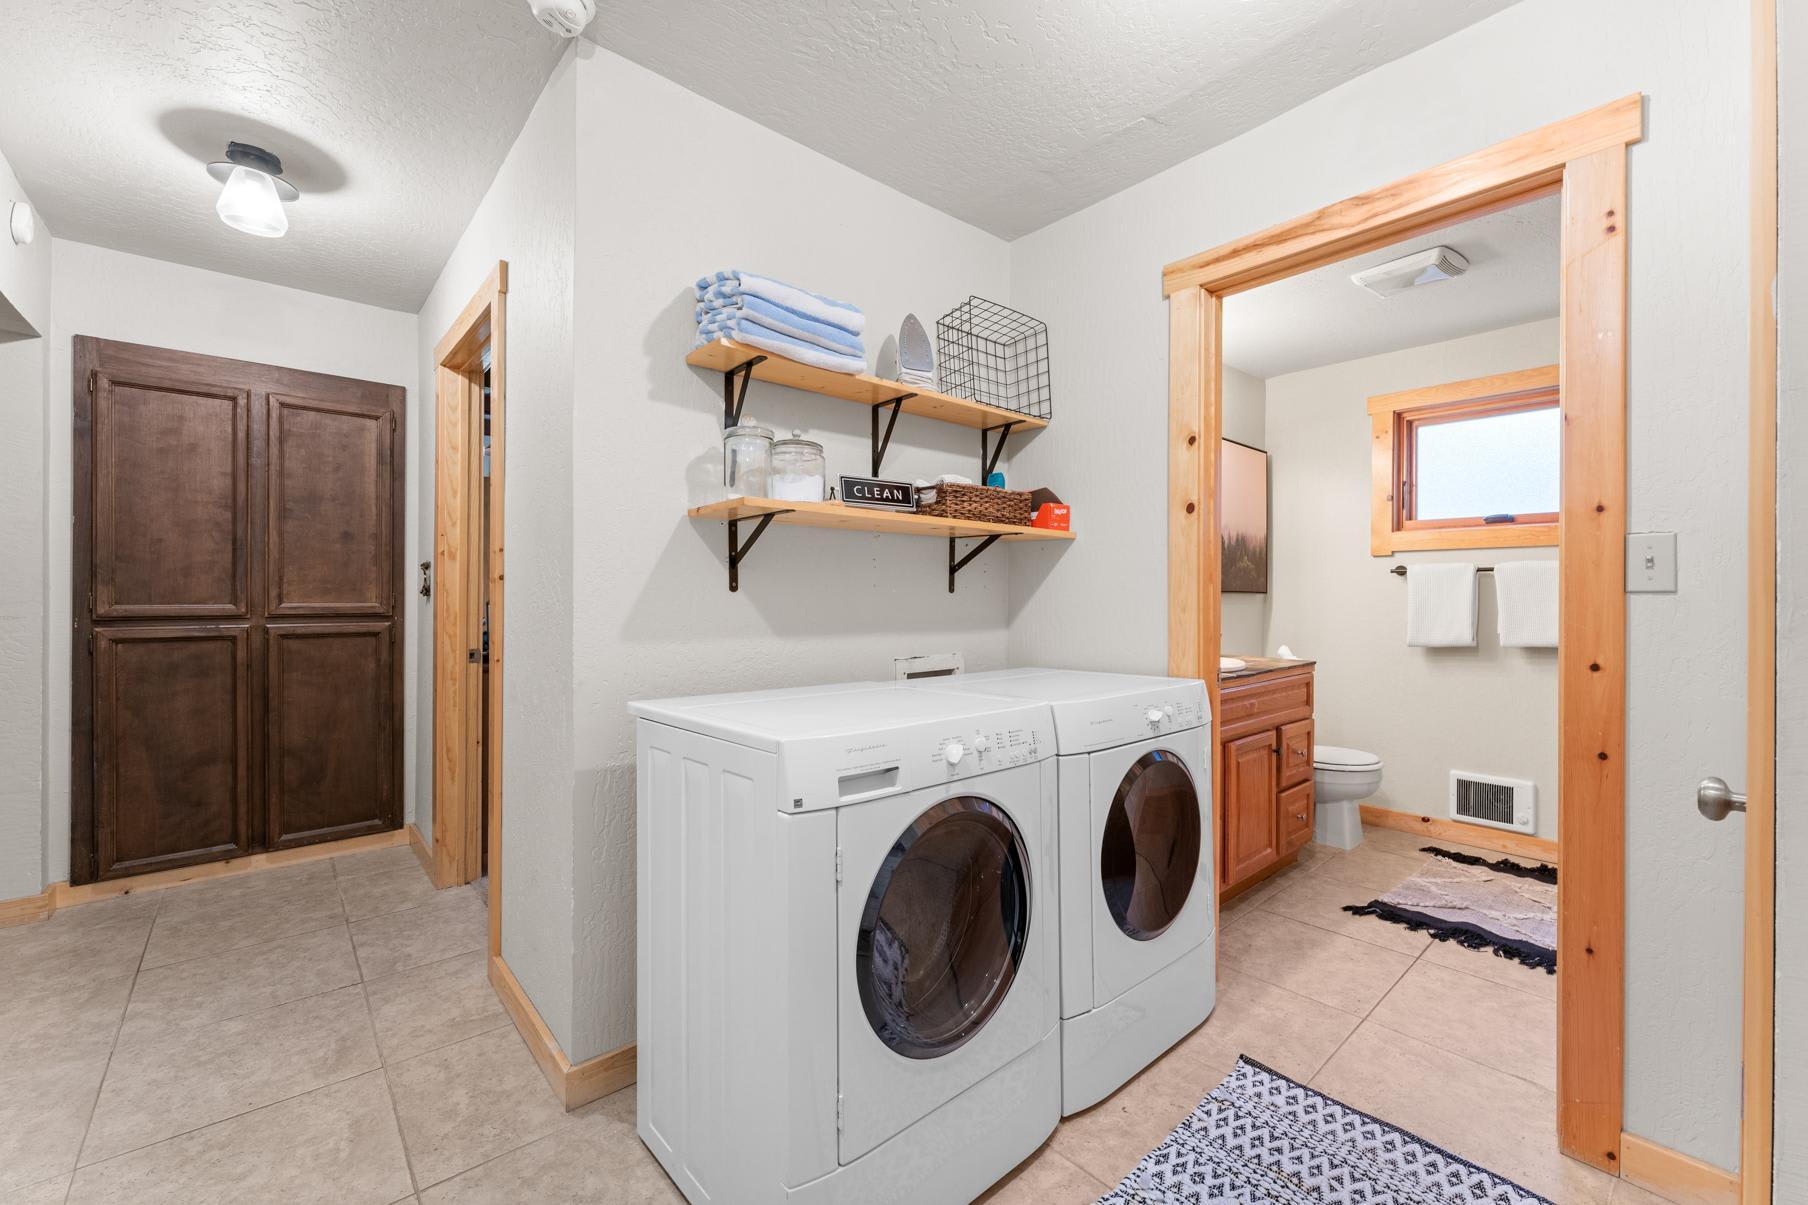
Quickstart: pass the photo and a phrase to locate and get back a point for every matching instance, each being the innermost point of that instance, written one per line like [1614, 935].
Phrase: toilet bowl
[1341, 780]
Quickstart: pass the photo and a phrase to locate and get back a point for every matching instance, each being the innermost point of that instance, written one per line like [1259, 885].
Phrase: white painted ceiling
[1321, 318]
[391, 116]
[1013, 113]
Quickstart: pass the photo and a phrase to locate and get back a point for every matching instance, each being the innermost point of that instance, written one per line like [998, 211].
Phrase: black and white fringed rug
[1262, 1139]
[1503, 906]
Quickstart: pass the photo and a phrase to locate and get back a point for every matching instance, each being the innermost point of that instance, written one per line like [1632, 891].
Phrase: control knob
[954, 752]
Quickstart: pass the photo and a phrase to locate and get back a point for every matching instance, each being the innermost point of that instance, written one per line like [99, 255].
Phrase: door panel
[328, 756]
[1250, 838]
[331, 522]
[170, 499]
[172, 723]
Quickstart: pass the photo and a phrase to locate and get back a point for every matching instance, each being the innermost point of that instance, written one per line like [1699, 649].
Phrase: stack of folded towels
[782, 319]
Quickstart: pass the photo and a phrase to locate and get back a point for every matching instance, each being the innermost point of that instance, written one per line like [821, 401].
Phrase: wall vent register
[1508, 803]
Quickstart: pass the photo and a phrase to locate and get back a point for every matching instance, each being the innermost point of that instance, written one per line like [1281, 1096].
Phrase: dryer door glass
[1150, 854]
[944, 927]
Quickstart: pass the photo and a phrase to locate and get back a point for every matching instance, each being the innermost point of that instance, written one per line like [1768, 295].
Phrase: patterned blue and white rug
[1261, 1138]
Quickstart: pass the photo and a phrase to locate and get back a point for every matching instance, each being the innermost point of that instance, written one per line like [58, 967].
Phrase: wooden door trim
[1758, 1037]
[458, 711]
[1585, 157]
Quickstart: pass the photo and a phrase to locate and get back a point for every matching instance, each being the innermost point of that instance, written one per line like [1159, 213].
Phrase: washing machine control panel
[836, 771]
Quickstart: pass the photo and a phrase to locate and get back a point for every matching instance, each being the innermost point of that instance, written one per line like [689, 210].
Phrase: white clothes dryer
[847, 939]
[1138, 946]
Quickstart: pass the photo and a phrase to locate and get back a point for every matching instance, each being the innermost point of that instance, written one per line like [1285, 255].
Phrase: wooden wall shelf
[855, 518]
[725, 355]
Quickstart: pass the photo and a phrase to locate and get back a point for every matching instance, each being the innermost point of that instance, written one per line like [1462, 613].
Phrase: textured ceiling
[391, 116]
[1321, 318]
[1013, 113]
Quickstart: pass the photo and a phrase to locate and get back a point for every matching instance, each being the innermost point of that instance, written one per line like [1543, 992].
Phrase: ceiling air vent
[1420, 268]
[1495, 802]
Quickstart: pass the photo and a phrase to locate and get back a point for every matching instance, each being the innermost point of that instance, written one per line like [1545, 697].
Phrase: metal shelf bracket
[988, 452]
[737, 551]
[880, 444]
[734, 395]
[955, 566]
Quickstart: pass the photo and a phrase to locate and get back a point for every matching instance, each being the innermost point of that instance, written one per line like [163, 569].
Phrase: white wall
[1424, 711]
[527, 218]
[1245, 616]
[1095, 278]
[113, 295]
[653, 615]
[24, 350]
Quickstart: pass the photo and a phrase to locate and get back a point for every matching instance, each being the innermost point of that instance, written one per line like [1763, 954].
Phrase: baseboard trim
[1675, 1176]
[574, 1085]
[1432, 829]
[423, 852]
[63, 895]
[26, 909]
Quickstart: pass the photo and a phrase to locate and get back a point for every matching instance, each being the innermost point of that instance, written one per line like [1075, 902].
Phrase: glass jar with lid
[747, 460]
[799, 471]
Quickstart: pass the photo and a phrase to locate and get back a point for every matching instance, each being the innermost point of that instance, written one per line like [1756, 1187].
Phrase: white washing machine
[847, 942]
[1138, 950]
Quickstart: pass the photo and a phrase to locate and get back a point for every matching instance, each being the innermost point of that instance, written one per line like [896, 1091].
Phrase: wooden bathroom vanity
[1264, 770]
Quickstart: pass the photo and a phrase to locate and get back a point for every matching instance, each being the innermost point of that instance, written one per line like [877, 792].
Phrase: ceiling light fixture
[252, 200]
[1420, 268]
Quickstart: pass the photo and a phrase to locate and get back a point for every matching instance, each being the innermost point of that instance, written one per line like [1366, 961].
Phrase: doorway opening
[470, 392]
[1584, 159]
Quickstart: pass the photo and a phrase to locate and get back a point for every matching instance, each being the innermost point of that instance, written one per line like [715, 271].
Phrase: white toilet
[1341, 780]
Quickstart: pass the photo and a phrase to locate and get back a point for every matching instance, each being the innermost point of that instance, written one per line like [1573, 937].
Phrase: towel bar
[1400, 570]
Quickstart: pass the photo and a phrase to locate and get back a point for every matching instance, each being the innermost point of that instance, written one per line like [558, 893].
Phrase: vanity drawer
[1263, 704]
[1295, 805]
[1296, 753]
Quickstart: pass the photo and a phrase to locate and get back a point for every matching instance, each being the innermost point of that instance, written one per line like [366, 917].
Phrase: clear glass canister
[747, 461]
[799, 471]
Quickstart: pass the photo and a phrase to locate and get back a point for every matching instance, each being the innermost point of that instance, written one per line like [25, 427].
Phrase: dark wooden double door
[237, 653]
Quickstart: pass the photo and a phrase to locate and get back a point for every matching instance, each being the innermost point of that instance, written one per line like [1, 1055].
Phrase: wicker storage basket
[981, 503]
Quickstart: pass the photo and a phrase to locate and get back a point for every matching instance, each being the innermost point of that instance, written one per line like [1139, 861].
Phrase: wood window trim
[459, 702]
[1583, 157]
[1391, 415]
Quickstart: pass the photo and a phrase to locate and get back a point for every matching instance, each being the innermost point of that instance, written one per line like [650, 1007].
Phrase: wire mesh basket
[994, 354]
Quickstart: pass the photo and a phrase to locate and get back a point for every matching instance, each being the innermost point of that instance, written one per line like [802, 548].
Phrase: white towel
[1440, 605]
[1527, 593]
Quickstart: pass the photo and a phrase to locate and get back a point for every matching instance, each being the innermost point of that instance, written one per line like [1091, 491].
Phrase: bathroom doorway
[1583, 162]
[466, 583]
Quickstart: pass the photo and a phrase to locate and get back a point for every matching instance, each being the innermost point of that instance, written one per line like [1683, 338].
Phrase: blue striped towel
[755, 334]
[714, 317]
[724, 286]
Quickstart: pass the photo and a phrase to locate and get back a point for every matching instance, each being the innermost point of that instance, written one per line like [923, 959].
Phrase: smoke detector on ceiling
[567, 18]
[1420, 268]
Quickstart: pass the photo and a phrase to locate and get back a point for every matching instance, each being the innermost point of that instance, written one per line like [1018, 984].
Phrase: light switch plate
[1651, 562]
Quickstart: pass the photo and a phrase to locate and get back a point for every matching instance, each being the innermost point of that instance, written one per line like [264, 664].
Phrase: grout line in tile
[113, 1047]
[254, 945]
[1443, 966]
[325, 991]
[1379, 1024]
[395, 1114]
[223, 1120]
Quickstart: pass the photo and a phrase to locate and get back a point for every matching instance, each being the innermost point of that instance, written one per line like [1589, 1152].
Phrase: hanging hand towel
[1440, 605]
[1527, 593]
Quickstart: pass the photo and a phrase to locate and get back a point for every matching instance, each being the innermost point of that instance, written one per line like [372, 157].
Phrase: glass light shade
[249, 203]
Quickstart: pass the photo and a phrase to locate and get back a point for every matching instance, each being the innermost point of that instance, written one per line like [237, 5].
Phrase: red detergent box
[1052, 516]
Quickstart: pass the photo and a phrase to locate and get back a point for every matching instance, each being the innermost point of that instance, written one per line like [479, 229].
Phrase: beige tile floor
[1455, 1045]
[319, 1033]
[326, 1033]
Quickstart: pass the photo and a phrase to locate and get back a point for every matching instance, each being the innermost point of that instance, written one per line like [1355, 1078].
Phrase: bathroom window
[1470, 464]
